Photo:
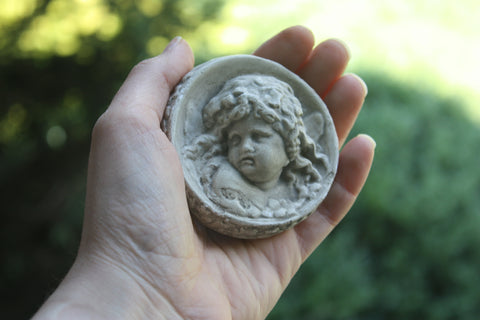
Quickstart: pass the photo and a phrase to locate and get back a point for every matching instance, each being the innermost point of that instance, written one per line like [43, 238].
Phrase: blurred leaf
[409, 248]
[61, 62]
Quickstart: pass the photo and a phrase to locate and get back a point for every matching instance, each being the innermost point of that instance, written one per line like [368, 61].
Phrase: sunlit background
[410, 247]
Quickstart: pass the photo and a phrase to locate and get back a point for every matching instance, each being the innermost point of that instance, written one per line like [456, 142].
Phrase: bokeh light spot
[14, 10]
[56, 137]
[12, 124]
[234, 36]
[156, 45]
[150, 8]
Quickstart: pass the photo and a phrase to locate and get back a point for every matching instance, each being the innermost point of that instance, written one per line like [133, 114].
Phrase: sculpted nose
[248, 145]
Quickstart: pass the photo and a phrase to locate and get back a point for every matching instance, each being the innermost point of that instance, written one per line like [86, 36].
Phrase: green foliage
[50, 98]
[409, 248]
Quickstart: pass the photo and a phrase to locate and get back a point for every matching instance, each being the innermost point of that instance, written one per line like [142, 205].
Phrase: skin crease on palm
[142, 256]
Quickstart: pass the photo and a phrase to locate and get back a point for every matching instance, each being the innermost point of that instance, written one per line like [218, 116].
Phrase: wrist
[101, 290]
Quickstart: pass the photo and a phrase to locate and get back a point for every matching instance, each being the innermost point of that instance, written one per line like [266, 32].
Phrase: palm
[255, 273]
[203, 274]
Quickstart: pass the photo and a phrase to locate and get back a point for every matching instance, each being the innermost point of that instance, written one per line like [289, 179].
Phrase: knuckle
[103, 125]
[142, 65]
[114, 125]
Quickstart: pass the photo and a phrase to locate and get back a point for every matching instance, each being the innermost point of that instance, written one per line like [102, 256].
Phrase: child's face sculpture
[256, 151]
[257, 145]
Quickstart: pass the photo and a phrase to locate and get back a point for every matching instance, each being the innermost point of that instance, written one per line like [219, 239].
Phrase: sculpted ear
[316, 122]
[287, 162]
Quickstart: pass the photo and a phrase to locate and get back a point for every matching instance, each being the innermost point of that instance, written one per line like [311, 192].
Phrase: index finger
[291, 47]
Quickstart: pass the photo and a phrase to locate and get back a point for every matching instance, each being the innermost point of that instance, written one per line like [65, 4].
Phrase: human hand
[142, 255]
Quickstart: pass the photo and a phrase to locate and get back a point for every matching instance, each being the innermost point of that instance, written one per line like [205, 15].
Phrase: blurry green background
[410, 248]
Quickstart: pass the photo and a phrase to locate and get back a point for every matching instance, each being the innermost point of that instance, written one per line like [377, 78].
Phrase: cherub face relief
[256, 151]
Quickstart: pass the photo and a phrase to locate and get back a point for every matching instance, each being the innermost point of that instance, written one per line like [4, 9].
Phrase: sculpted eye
[234, 140]
[260, 135]
[256, 137]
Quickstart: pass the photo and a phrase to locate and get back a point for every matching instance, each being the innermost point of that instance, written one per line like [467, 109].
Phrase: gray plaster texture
[257, 145]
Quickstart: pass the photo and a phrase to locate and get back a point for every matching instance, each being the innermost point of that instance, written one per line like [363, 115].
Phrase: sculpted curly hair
[274, 102]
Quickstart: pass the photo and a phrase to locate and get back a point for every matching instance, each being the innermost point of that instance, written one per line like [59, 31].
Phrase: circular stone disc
[242, 102]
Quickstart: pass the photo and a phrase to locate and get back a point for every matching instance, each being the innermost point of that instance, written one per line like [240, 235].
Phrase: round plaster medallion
[258, 147]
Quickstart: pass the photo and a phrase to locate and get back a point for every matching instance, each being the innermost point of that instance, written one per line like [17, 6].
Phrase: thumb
[150, 82]
[133, 172]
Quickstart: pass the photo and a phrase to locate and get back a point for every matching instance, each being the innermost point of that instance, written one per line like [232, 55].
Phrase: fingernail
[366, 136]
[172, 43]
[345, 46]
[364, 85]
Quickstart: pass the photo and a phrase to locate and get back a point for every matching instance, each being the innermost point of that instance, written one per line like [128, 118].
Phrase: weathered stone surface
[258, 147]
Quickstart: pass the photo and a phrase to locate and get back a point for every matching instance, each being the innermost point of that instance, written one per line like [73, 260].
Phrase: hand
[142, 256]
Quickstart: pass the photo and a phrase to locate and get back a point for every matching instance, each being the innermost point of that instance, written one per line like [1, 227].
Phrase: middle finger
[326, 64]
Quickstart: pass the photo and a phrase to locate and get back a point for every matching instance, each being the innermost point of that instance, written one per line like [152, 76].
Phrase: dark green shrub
[410, 248]
[42, 181]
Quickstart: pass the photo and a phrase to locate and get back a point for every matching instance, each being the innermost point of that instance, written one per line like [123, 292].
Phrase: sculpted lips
[247, 160]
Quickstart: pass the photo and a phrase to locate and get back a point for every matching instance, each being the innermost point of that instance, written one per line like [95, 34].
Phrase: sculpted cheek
[232, 156]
